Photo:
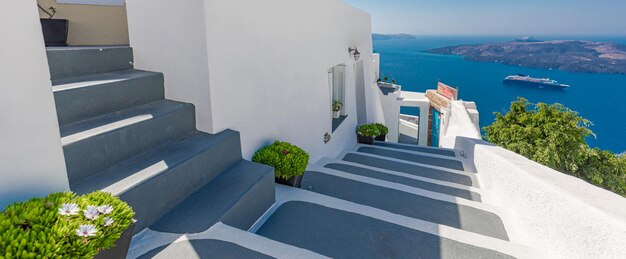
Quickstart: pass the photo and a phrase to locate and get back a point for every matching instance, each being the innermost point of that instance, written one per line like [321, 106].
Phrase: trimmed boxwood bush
[288, 160]
[368, 130]
[63, 225]
[383, 130]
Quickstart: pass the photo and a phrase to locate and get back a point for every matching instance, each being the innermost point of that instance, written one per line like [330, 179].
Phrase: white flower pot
[335, 114]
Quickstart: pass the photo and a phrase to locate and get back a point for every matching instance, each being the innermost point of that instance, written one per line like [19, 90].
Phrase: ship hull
[536, 84]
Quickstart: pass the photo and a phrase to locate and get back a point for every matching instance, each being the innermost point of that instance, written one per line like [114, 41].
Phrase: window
[337, 83]
[339, 86]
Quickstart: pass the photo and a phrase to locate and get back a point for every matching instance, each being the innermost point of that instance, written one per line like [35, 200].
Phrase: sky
[497, 17]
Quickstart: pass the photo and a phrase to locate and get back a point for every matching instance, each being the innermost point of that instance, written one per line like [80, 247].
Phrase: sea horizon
[592, 95]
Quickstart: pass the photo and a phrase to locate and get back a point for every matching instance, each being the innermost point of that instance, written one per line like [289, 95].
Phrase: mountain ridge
[566, 55]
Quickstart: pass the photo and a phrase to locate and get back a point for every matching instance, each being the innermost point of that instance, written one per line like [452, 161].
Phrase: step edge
[181, 107]
[473, 176]
[408, 189]
[76, 85]
[187, 158]
[415, 153]
[326, 161]
[288, 194]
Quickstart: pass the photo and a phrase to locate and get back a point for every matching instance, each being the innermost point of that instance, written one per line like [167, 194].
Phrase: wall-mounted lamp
[354, 51]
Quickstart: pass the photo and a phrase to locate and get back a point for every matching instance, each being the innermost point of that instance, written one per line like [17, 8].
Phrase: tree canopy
[554, 135]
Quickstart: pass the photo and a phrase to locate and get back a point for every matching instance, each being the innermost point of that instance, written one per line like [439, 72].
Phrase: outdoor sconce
[354, 51]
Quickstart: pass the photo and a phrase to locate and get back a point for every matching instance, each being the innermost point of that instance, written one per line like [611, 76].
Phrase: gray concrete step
[89, 96]
[411, 169]
[414, 157]
[237, 197]
[67, 62]
[356, 170]
[95, 144]
[407, 204]
[156, 181]
[203, 248]
[416, 148]
[341, 234]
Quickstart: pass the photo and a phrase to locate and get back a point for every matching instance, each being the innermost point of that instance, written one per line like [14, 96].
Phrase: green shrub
[554, 135]
[36, 228]
[288, 160]
[368, 130]
[382, 129]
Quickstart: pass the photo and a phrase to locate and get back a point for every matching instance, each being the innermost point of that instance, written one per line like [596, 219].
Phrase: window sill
[337, 122]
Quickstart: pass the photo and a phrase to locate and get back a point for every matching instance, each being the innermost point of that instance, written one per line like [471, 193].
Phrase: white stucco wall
[258, 67]
[170, 37]
[559, 215]
[31, 157]
[268, 63]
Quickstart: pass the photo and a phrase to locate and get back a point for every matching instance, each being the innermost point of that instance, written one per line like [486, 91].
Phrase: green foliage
[382, 129]
[35, 228]
[337, 105]
[288, 160]
[368, 130]
[554, 135]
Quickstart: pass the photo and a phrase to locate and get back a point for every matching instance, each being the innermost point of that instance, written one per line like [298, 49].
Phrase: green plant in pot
[366, 133]
[289, 162]
[66, 225]
[337, 108]
[383, 130]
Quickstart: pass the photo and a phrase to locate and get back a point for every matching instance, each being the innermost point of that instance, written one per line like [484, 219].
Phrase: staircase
[372, 201]
[120, 135]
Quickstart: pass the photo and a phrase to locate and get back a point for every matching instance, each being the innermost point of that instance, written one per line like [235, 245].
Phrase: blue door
[435, 129]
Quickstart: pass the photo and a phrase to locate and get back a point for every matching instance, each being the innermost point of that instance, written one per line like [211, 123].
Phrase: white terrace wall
[31, 157]
[559, 215]
[258, 67]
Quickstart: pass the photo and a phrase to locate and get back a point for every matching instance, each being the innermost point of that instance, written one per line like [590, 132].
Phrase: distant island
[402, 36]
[566, 55]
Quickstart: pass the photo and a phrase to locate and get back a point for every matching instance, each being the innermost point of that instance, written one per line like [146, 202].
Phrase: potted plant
[383, 130]
[54, 30]
[366, 133]
[336, 108]
[289, 162]
[65, 225]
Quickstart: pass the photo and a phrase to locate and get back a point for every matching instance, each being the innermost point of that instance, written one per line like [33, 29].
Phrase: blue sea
[601, 98]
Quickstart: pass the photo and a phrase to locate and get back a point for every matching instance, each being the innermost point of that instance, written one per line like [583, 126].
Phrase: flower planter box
[381, 138]
[55, 31]
[365, 140]
[295, 181]
[120, 250]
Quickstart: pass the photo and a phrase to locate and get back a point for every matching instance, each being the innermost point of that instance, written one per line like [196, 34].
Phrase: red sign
[448, 91]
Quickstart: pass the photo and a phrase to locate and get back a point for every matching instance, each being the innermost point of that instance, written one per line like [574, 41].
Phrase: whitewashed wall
[556, 214]
[31, 157]
[258, 67]
[170, 37]
[268, 63]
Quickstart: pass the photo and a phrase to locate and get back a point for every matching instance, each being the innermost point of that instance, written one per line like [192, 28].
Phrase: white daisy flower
[91, 212]
[108, 221]
[105, 209]
[69, 209]
[86, 231]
